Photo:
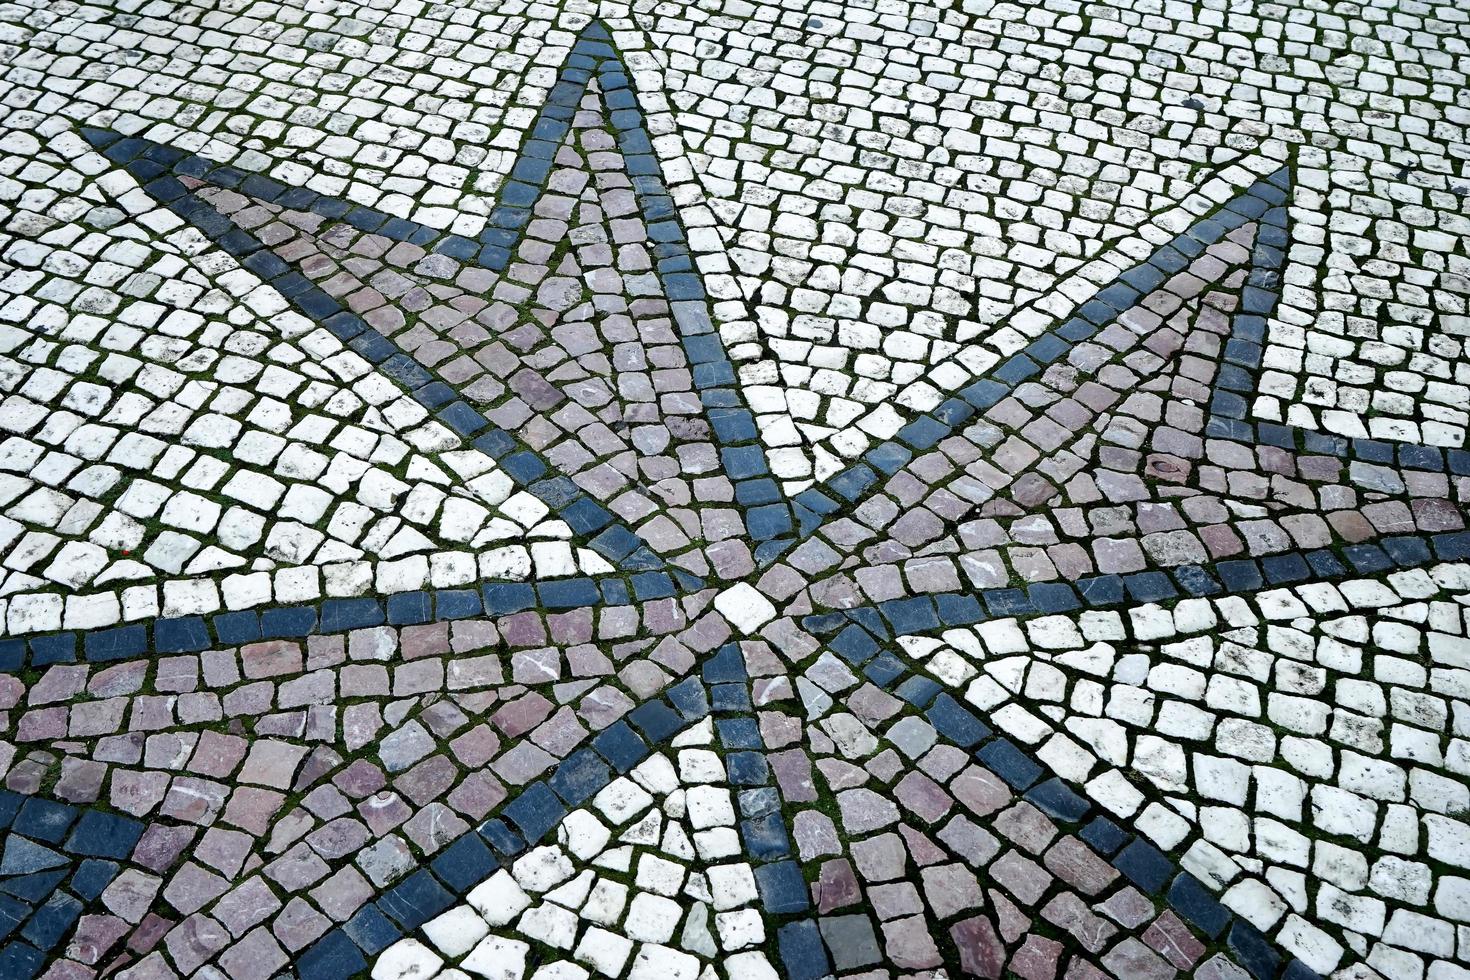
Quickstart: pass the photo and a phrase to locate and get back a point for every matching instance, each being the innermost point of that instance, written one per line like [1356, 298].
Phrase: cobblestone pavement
[734, 490]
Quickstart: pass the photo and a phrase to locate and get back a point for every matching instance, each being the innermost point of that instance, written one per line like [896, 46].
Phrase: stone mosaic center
[734, 490]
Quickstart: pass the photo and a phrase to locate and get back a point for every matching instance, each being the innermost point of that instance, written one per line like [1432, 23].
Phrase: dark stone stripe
[58, 858]
[945, 610]
[816, 505]
[527, 469]
[1151, 870]
[719, 690]
[190, 634]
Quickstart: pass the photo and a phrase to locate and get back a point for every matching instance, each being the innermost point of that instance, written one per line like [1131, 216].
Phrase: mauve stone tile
[1079, 866]
[1024, 878]
[1037, 959]
[1073, 916]
[1132, 958]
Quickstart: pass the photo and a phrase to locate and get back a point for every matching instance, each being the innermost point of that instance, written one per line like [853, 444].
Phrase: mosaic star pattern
[734, 491]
